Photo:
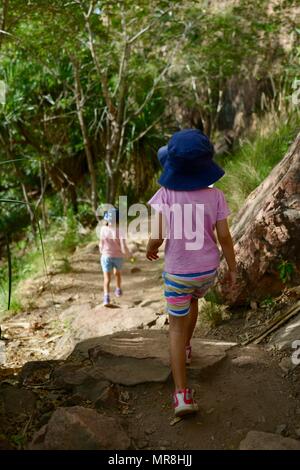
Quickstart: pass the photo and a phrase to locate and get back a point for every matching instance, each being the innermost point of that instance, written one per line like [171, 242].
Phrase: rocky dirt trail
[82, 376]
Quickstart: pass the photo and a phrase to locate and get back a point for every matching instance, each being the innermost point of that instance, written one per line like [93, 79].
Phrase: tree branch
[86, 140]
[3, 20]
[102, 75]
[149, 26]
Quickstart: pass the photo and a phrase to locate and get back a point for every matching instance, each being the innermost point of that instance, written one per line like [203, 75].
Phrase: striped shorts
[181, 288]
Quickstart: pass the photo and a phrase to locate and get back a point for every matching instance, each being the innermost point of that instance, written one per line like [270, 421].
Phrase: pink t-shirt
[110, 243]
[191, 245]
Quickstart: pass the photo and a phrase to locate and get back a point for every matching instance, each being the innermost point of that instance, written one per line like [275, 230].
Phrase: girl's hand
[230, 279]
[151, 254]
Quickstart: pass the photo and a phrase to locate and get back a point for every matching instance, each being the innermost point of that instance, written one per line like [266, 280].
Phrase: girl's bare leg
[192, 320]
[118, 278]
[106, 282]
[178, 337]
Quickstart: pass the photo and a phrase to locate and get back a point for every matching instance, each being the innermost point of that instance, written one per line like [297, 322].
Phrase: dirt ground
[246, 390]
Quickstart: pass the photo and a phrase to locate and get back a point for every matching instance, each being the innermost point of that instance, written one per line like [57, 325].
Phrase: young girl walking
[187, 197]
[113, 249]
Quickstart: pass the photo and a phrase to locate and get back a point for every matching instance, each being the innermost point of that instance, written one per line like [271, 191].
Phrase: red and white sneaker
[188, 354]
[184, 402]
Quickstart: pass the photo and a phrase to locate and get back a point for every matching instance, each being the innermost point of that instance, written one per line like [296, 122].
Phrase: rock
[130, 358]
[161, 321]
[36, 372]
[155, 344]
[90, 322]
[17, 401]
[132, 371]
[87, 382]
[284, 337]
[297, 432]
[108, 397]
[265, 229]
[70, 375]
[93, 392]
[64, 346]
[45, 418]
[257, 440]
[73, 400]
[79, 428]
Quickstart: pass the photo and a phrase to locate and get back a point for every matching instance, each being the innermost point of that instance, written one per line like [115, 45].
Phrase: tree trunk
[266, 234]
[112, 184]
[86, 140]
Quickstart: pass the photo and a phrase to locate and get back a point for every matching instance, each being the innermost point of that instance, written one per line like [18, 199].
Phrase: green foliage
[70, 238]
[19, 440]
[286, 270]
[211, 313]
[251, 163]
[213, 297]
[268, 302]
[28, 259]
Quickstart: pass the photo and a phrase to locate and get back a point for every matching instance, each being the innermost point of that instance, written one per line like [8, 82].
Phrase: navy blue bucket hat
[187, 162]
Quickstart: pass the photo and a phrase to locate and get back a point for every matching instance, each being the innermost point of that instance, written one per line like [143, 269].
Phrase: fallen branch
[275, 324]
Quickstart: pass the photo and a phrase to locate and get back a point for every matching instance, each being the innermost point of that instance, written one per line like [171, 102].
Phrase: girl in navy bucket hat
[189, 211]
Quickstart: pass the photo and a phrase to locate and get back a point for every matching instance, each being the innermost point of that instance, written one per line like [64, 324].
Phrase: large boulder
[86, 321]
[78, 428]
[140, 356]
[266, 234]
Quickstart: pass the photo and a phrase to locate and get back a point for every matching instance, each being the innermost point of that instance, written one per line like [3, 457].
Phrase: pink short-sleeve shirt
[191, 245]
[110, 243]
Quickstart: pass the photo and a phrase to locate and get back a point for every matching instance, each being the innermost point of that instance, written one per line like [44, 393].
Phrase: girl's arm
[155, 241]
[101, 240]
[124, 248]
[225, 240]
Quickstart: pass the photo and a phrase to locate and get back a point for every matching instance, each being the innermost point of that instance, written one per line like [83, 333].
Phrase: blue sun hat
[111, 216]
[187, 162]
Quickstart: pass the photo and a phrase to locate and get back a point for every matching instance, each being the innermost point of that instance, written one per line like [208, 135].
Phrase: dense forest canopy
[93, 88]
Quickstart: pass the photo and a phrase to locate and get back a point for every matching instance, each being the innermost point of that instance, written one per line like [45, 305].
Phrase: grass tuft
[254, 159]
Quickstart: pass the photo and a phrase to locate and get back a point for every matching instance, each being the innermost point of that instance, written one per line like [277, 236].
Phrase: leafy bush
[211, 313]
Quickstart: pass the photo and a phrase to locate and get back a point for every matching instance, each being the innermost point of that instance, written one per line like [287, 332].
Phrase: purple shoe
[118, 292]
[106, 300]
